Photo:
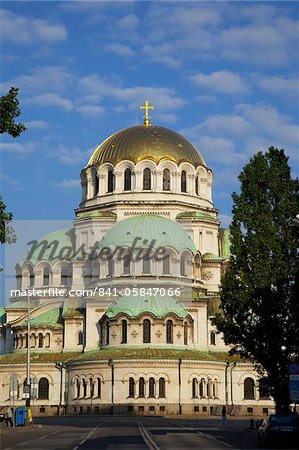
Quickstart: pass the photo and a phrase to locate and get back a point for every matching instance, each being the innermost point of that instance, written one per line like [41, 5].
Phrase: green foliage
[9, 109]
[7, 233]
[258, 294]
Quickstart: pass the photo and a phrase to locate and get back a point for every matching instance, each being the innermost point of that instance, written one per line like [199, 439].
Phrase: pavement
[129, 433]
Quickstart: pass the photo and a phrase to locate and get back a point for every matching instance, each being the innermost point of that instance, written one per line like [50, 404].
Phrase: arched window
[209, 388]
[213, 338]
[32, 340]
[127, 264]
[131, 387]
[84, 384]
[110, 265]
[194, 388]
[95, 185]
[91, 384]
[40, 340]
[185, 333]
[127, 180]
[47, 340]
[166, 265]
[43, 389]
[166, 180]
[183, 266]
[169, 332]
[110, 181]
[162, 390]
[147, 179]
[65, 277]
[146, 264]
[196, 185]
[183, 181]
[107, 333]
[80, 338]
[249, 388]
[78, 386]
[99, 382]
[215, 389]
[202, 388]
[124, 331]
[141, 387]
[31, 277]
[46, 276]
[151, 387]
[146, 331]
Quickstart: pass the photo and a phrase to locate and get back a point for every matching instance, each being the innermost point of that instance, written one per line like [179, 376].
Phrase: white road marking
[88, 436]
[147, 437]
[206, 435]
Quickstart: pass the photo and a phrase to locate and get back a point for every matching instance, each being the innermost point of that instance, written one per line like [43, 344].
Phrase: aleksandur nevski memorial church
[122, 319]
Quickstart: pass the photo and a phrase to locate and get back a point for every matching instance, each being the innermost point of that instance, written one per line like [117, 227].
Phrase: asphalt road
[128, 433]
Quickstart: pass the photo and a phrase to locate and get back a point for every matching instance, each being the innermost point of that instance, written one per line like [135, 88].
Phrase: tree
[9, 109]
[6, 231]
[260, 310]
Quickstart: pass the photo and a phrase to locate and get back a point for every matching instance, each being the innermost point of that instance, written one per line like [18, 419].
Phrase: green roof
[211, 257]
[37, 357]
[72, 308]
[58, 244]
[2, 315]
[196, 215]
[224, 242]
[50, 318]
[96, 215]
[157, 230]
[117, 353]
[158, 305]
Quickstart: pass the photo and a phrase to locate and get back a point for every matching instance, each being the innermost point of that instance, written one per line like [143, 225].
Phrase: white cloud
[37, 125]
[129, 22]
[51, 99]
[12, 182]
[225, 220]
[164, 99]
[70, 156]
[279, 85]
[91, 110]
[44, 78]
[121, 50]
[224, 81]
[17, 148]
[68, 184]
[26, 30]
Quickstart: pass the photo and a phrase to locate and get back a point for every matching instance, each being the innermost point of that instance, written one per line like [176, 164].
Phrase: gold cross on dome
[147, 116]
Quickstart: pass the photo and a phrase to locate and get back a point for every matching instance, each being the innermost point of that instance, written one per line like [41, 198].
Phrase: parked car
[279, 430]
[2, 417]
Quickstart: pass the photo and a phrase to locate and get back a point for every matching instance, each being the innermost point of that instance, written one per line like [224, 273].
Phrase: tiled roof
[36, 357]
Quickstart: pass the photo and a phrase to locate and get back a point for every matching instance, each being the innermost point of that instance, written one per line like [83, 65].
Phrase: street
[123, 432]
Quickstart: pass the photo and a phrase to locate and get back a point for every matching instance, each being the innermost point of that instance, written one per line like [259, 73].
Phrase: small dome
[211, 257]
[141, 142]
[157, 230]
[51, 247]
[158, 305]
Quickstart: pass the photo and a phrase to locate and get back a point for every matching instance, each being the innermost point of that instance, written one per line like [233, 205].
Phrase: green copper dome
[157, 230]
[58, 244]
[158, 305]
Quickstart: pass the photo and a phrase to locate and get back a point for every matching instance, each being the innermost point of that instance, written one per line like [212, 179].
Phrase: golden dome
[146, 142]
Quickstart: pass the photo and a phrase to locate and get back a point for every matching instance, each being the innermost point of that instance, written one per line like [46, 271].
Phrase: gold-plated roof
[146, 142]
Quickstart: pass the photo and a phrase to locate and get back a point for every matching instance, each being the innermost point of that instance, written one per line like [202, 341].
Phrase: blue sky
[224, 74]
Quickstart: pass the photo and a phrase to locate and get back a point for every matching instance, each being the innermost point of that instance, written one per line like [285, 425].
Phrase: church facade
[121, 303]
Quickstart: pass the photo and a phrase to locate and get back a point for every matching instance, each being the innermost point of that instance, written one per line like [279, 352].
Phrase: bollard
[251, 424]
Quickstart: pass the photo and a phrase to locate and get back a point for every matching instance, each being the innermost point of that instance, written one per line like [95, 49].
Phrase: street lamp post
[28, 381]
